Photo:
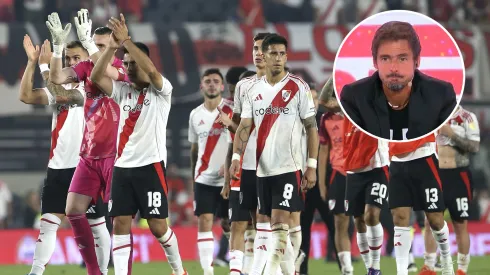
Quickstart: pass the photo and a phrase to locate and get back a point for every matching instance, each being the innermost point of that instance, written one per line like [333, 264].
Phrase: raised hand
[58, 34]
[119, 28]
[32, 51]
[84, 26]
[45, 55]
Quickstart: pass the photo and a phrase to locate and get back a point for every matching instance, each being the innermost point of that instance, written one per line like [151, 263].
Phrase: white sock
[236, 262]
[295, 237]
[362, 243]
[375, 241]
[171, 247]
[442, 239]
[120, 253]
[345, 261]
[262, 247]
[205, 245]
[287, 263]
[411, 258]
[403, 242]
[430, 260]
[46, 243]
[279, 246]
[463, 262]
[248, 256]
[102, 243]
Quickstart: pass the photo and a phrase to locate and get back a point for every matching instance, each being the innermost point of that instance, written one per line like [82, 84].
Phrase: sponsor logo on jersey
[272, 110]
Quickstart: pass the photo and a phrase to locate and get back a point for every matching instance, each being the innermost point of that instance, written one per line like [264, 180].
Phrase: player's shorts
[248, 189]
[97, 210]
[93, 177]
[416, 184]
[369, 188]
[208, 200]
[142, 189]
[280, 192]
[336, 193]
[236, 212]
[458, 191]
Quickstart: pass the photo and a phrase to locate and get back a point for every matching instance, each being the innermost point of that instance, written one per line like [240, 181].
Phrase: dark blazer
[431, 102]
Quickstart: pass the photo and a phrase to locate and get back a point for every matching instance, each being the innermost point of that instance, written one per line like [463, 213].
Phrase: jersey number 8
[288, 191]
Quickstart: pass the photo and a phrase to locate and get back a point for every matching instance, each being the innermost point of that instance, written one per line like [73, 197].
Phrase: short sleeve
[51, 98]
[166, 87]
[322, 131]
[119, 89]
[81, 70]
[472, 128]
[247, 110]
[306, 103]
[237, 100]
[192, 135]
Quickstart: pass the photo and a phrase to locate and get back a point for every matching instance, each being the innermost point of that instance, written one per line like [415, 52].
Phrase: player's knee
[371, 216]
[122, 225]
[401, 216]
[460, 227]
[158, 227]
[239, 227]
[205, 222]
[263, 218]
[436, 220]
[360, 223]
[77, 204]
[341, 223]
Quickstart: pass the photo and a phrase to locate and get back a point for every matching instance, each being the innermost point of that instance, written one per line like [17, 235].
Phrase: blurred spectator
[5, 205]
[280, 11]
[102, 11]
[6, 10]
[33, 10]
[32, 209]
[132, 9]
[251, 13]
[476, 11]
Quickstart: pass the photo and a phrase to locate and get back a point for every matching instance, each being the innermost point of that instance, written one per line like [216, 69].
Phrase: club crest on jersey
[346, 205]
[331, 204]
[286, 94]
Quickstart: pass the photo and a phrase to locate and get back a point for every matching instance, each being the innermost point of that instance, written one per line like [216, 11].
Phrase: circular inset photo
[398, 75]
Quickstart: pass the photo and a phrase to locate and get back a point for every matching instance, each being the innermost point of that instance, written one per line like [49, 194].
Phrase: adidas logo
[464, 214]
[155, 212]
[285, 203]
[433, 206]
[262, 247]
[379, 200]
[257, 98]
[200, 123]
[91, 210]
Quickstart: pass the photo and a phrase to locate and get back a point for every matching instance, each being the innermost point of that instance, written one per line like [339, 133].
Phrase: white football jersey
[212, 141]
[277, 112]
[464, 124]
[249, 162]
[66, 131]
[143, 123]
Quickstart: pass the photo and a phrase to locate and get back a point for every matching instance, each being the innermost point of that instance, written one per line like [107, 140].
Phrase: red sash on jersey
[400, 148]
[359, 147]
[211, 142]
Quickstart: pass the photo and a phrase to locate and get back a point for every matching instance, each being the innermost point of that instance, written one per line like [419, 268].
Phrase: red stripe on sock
[375, 248]
[295, 231]
[93, 225]
[206, 240]
[48, 221]
[235, 270]
[365, 252]
[171, 235]
[121, 247]
[264, 230]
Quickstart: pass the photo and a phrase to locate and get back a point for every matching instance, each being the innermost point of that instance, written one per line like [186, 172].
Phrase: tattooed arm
[242, 135]
[61, 76]
[327, 92]
[312, 136]
[27, 93]
[62, 95]
[465, 144]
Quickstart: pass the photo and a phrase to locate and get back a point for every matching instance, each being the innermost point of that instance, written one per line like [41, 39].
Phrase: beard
[211, 96]
[396, 86]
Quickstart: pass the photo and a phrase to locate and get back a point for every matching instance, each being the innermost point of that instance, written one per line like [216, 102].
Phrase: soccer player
[278, 103]
[331, 135]
[415, 183]
[243, 194]
[67, 129]
[139, 182]
[94, 171]
[209, 141]
[455, 142]
[366, 163]
[232, 77]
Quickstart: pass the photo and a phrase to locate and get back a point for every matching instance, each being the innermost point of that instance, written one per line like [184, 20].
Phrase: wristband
[58, 50]
[91, 47]
[122, 43]
[312, 163]
[236, 156]
[43, 67]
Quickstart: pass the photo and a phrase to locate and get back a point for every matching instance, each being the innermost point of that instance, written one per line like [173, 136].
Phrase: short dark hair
[233, 74]
[102, 31]
[75, 44]
[247, 74]
[261, 36]
[140, 46]
[273, 39]
[393, 31]
[312, 85]
[211, 71]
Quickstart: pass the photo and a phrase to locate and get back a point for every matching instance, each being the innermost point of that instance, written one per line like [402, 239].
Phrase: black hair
[212, 71]
[233, 75]
[273, 39]
[140, 46]
[247, 74]
[75, 44]
[102, 31]
[261, 35]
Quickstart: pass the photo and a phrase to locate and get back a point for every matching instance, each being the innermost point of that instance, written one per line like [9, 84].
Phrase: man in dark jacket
[398, 102]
